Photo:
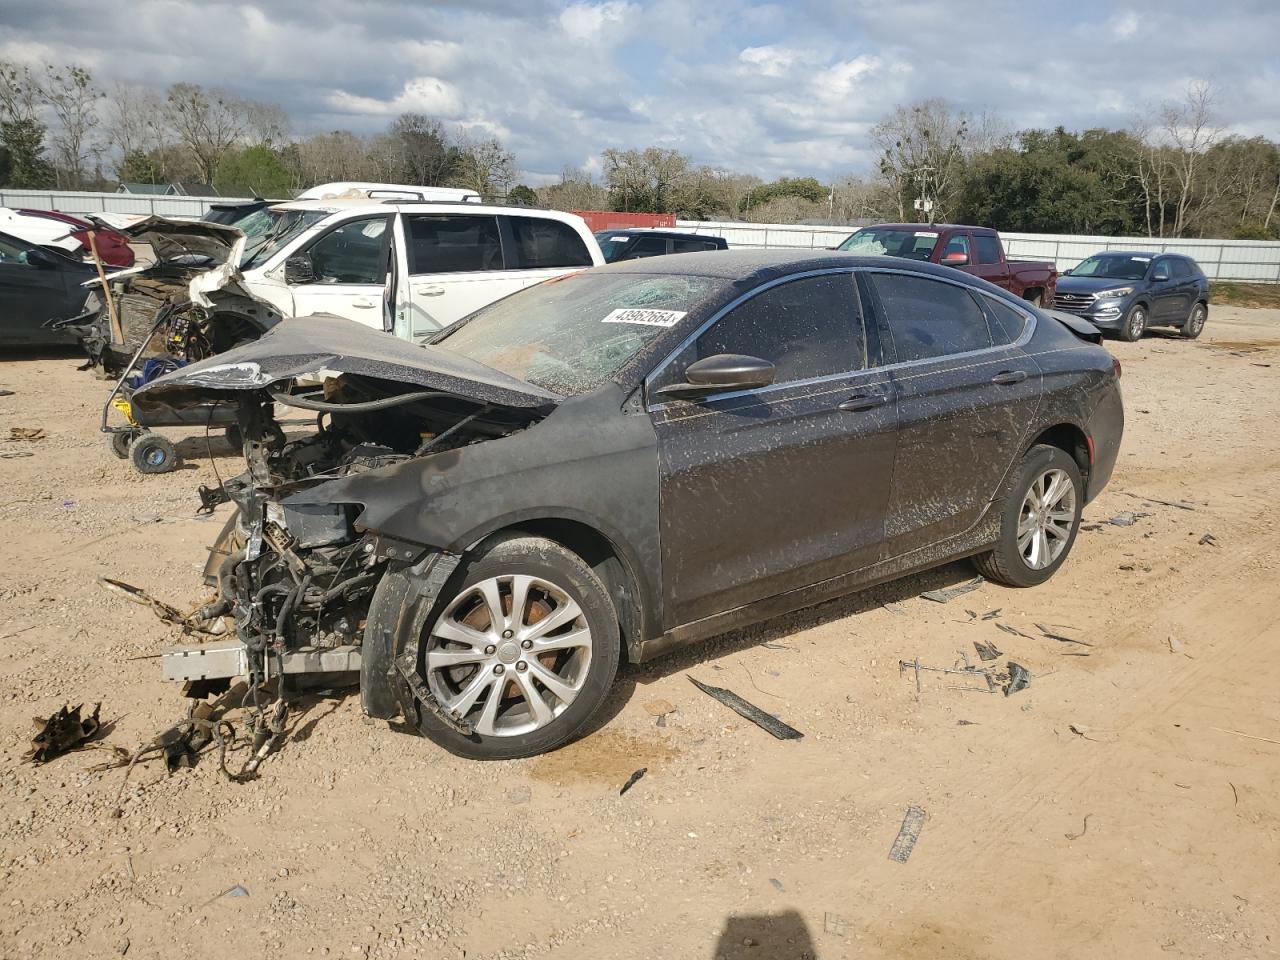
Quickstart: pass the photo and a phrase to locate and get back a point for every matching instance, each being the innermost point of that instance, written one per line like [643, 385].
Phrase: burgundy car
[113, 246]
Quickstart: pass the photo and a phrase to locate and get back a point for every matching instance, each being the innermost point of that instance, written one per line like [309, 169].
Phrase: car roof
[656, 232]
[927, 227]
[365, 205]
[1149, 254]
[737, 263]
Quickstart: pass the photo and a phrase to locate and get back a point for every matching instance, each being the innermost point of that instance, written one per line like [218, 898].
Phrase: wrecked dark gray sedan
[622, 461]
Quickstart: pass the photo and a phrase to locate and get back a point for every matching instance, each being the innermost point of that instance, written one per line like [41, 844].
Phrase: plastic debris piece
[63, 731]
[1019, 678]
[986, 651]
[908, 834]
[1126, 519]
[950, 593]
[765, 721]
[633, 780]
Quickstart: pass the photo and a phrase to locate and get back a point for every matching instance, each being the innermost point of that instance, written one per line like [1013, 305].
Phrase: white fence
[1249, 260]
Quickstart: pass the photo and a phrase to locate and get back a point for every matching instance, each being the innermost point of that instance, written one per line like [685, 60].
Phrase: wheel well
[599, 553]
[1030, 293]
[1071, 440]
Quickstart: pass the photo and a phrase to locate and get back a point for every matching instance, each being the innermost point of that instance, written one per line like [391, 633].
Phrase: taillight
[1115, 365]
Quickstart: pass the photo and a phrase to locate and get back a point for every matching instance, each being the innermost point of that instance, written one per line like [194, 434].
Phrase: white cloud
[1125, 25]
[586, 22]
[767, 61]
[427, 95]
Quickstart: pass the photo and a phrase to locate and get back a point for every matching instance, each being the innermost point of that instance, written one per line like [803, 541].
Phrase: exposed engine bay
[294, 569]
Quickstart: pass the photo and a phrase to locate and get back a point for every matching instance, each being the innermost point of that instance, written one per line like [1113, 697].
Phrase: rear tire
[579, 656]
[1039, 520]
[1193, 326]
[1135, 323]
[151, 453]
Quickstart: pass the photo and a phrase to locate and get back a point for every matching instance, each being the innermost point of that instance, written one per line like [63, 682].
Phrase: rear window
[451, 243]
[544, 243]
[930, 318]
[912, 244]
[571, 334]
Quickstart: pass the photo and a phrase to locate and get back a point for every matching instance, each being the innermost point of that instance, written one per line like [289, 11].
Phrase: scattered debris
[161, 609]
[993, 614]
[949, 594]
[1014, 631]
[633, 780]
[908, 834]
[777, 885]
[236, 891]
[1126, 519]
[1019, 678]
[1208, 540]
[776, 646]
[765, 721]
[6, 393]
[1178, 504]
[17, 454]
[63, 731]
[1234, 793]
[1252, 365]
[1060, 637]
[987, 651]
[834, 923]
[966, 723]
[1247, 736]
[659, 708]
[1175, 645]
[968, 671]
[27, 433]
[1083, 830]
[1091, 526]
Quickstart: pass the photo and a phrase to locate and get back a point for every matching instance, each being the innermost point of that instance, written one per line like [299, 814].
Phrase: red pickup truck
[975, 250]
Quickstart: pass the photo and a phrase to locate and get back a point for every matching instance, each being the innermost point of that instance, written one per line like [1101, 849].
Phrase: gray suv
[1128, 292]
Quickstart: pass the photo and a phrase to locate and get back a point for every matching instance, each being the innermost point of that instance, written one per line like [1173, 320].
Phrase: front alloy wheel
[1135, 323]
[509, 655]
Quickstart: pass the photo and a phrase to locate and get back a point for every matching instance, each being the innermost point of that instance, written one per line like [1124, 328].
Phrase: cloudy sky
[769, 88]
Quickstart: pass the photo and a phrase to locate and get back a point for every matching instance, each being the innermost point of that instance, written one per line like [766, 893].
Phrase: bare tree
[73, 98]
[922, 152]
[575, 191]
[487, 167]
[1152, 175]
[1189, 126]
[133, 119]
[20, 93]
[641, 180]
[208, 123]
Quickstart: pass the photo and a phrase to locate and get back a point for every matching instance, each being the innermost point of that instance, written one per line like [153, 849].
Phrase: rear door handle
[863, 401]
[1009, 376]
[431, 291]
[364, 303]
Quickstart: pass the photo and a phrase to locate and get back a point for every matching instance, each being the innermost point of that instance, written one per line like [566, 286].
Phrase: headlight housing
[1117, 292]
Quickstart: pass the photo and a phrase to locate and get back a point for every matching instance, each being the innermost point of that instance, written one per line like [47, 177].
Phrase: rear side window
[806, 328]
[1181, 269]
[928, 318]
[692, 246]
[988, 248]
[648, 247]
[451, 243]
[547, 243]
[1006, 323]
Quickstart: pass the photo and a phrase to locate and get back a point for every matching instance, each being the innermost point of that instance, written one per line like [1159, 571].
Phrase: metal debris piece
[1208, 540]
[765, 721]
[27, 433]
[986, 651]
[1019, 678]
[63, 731]
[1126, 519]
[633, 780]
[993, 614]
[1014, 631]
[161, 609]
[949, 594]
[908, 834]
[1060, 637]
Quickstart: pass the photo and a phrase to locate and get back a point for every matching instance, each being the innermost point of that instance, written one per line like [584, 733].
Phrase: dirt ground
[1121, 806]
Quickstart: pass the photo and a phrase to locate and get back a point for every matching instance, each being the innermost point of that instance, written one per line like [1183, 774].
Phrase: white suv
[408, 267]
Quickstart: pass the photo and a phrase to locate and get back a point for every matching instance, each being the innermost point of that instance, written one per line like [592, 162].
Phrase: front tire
[1194, 324]
[524, 651]
[1135, 323]
[1039, 522]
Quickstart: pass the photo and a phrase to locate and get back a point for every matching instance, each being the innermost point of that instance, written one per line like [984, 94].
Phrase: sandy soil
[1103, 812]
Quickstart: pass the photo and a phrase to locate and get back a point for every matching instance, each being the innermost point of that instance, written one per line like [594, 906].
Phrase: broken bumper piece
[230, 658]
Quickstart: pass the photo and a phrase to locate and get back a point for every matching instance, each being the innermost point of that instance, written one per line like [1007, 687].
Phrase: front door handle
[432, 291]
[863, 401]
[1009, 376]
[364, 303]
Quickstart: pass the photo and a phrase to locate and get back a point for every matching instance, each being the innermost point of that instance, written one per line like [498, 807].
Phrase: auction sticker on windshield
[647, 318]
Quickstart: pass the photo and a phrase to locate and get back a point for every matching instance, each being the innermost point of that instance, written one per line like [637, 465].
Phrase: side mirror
[955, 259]
[1066, 273]
[1160, 275]
[721, 373]
[42, 259]
[299, 269]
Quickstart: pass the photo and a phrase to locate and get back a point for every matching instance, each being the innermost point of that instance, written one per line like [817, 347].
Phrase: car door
[349, 266]
[966, 396]
[765, 491]
[456, 267]
[1184, 289]
[30, 294]
[1162, 290]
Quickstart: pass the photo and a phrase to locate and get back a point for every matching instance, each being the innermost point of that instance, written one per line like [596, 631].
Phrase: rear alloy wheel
[1194, 324]
[524, 653]
[1039, 522]
[1135, 323]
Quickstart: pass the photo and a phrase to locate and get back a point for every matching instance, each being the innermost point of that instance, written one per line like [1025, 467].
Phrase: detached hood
[322, 342]
[171, 239]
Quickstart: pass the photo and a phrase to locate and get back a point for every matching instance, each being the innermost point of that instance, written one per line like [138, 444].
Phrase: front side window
[988, 248]
[452, 243]
[929, 318]
[354, 252]
[12, 252]
[957, 243]
[542, 243]
[275, 231]
[806, 328]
